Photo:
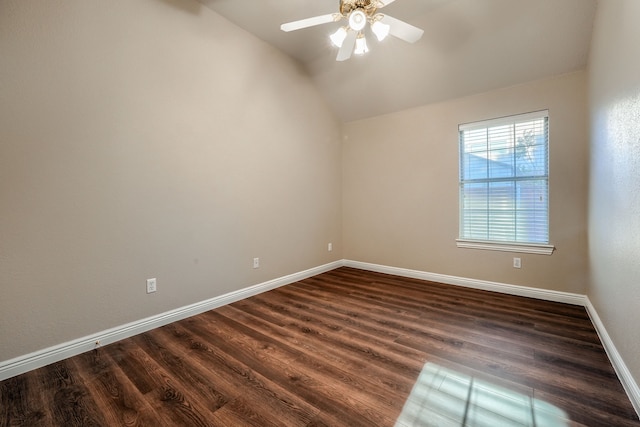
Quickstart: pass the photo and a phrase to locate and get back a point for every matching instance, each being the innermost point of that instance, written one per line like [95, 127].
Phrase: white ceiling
[468, 47]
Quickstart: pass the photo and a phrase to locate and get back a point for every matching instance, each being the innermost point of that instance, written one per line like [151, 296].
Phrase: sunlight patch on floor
[446, 398]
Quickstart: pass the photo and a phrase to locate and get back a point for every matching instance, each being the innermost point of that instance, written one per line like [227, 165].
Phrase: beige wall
[150, 138]
[614, 212]
[400, 189]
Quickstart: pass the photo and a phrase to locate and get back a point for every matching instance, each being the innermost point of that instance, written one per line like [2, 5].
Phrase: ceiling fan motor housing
[369, 7]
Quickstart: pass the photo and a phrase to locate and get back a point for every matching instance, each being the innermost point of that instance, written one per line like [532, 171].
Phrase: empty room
[319, 213]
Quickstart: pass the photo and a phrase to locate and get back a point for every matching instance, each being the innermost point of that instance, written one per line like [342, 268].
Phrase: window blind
[504, 179]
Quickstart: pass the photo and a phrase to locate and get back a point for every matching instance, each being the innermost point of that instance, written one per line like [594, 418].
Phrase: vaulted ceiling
[468, 47]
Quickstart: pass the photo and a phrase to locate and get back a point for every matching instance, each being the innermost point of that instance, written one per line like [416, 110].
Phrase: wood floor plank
[307, 376]
[394, 376]
[165, 392]
[70, 403]
[122, 404]
[21, 398]
[242, 413]
[350, 341]
[236, 379]
[178, 365]
[343, 348]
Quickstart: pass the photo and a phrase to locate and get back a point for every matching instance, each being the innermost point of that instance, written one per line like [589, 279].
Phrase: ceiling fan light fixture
[357, 20]
[380, 29]
[361, 45]
[350, 38]
[338, 37]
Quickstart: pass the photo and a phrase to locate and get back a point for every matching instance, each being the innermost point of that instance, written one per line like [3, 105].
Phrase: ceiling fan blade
[384, 3]
[402, 30]
[310, 22]
[347, 46]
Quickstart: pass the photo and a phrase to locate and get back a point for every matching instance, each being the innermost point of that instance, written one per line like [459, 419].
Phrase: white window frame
[494, 245]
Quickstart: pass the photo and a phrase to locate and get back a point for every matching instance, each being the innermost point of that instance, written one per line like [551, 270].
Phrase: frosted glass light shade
[380, 30]
[361, 45]
[338, 37]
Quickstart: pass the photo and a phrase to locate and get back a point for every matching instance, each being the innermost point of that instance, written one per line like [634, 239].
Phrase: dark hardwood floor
[345, 348]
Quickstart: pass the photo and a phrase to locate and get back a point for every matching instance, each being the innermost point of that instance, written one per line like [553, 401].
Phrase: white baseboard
[523, 291]
[627, 380]
[38, 359]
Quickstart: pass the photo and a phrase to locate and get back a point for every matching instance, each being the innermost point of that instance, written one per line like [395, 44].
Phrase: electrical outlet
[330, 247]
[151, 285]
[256, 263]
[517, 263]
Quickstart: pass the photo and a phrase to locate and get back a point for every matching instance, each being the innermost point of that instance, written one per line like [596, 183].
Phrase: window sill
[529, 248]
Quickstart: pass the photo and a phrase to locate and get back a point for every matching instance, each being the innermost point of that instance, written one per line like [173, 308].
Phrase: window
[504, 184]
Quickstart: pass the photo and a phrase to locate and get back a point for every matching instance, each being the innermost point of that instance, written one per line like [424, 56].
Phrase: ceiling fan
[358, 13]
